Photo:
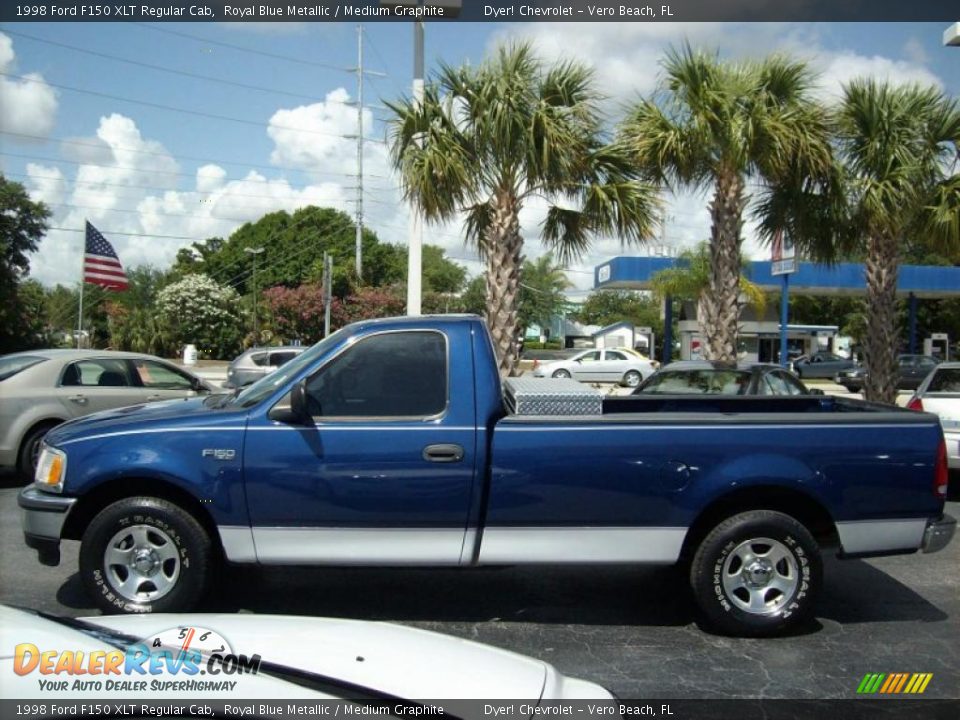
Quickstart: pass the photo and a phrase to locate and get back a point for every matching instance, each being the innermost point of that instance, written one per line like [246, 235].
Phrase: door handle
[79, 399]
[151, 398]
[443, 453]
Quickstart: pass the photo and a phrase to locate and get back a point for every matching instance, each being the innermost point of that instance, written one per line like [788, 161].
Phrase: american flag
[101, 266]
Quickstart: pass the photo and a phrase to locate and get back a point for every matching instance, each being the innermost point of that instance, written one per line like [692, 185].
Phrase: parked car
[701, 377]
[390, 443]
[911, 369]
[270, 656]
[40, 389]
[939, 394]
[612, 365]
[821, 365]
[253, 364]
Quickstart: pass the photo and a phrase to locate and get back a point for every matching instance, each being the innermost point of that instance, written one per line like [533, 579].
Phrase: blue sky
[162, 176]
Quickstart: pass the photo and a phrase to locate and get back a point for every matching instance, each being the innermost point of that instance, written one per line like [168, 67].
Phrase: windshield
[697, 382]
[12, 364]
[268, 384]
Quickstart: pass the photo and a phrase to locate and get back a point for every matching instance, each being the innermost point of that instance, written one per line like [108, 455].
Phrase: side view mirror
[296, 413]
[815, 391]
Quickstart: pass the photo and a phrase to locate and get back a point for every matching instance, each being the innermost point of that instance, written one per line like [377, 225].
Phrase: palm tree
[541, 292]
[716, 125]
[898, 147]
[689, 278]
[486, 140]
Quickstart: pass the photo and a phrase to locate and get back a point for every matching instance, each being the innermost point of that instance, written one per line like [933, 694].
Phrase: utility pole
[360, 139]
[256, 326]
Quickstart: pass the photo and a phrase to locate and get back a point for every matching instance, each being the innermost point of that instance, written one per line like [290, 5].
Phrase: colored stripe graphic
[894, 683]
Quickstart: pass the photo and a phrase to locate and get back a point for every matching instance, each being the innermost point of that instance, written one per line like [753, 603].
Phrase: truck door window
[396, 375]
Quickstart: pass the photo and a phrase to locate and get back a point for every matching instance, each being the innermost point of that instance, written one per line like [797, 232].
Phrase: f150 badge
[219, 453]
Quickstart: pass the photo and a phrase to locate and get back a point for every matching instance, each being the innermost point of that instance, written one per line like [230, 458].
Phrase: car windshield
[267, 385]
[12, 364]
[697, 382]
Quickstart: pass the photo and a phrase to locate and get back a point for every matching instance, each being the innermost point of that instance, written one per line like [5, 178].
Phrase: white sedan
[227, 657]
[613, 366]
[939, 394]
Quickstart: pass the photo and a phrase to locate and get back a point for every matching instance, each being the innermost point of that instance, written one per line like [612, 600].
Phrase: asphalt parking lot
[632, 630]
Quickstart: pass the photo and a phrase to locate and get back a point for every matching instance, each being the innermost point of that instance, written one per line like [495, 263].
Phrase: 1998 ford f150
[390, 443]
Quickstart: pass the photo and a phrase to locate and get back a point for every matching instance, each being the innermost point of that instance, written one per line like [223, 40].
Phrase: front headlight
[51, 469]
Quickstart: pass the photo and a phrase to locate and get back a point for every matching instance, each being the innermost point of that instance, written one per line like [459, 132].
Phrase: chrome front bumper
[938, 533]
[42, 516]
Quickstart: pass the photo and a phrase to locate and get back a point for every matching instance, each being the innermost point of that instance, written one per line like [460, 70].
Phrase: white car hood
[402, 661]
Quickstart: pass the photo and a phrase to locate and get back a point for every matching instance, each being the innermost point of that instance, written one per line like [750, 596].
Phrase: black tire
[632, 378]
[162, 520]
[714, 569]
[561, 374]
[30, 448]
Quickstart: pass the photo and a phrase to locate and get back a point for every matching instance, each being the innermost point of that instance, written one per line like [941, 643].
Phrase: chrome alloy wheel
[141, 563]
[760, 576]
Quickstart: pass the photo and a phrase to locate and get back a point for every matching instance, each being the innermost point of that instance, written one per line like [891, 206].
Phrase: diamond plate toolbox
[551, 396]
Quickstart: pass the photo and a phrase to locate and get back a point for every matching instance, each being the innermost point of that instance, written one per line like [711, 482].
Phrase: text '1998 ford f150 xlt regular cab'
[391, 442]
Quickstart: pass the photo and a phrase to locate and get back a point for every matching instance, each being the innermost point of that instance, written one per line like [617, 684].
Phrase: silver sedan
[40, 389]
[599, 366]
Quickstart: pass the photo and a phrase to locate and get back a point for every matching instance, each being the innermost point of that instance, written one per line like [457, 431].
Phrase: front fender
[173, 456]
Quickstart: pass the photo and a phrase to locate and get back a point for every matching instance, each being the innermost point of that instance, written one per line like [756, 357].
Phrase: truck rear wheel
[145, 554]
[757, 574]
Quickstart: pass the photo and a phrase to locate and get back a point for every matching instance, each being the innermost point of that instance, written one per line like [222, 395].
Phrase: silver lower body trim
[358, 546]
[879, 536]
[568, 545]
[238, 543]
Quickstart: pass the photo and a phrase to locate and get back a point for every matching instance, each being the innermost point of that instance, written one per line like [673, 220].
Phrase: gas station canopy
[923, 281]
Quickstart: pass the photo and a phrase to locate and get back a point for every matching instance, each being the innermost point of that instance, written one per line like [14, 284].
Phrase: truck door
[385, 471]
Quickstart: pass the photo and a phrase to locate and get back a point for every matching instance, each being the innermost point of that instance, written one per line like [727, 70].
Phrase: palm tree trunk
[503, 245]
[883, 336]
[720, 300]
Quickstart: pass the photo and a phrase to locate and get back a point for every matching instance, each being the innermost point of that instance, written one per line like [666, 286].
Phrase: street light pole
[256, 327]
[415, 250]
[446, 9]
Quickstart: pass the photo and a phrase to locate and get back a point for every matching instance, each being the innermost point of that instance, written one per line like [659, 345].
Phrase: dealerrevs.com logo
[171, 661]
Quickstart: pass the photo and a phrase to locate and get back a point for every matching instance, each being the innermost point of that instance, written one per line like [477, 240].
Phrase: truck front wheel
[145, 554]
[757, 574]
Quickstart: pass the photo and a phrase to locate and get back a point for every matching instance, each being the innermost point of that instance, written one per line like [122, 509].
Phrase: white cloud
[48, 184]
[315, 138]
[842, 67]
[29, 105]
[210, 177]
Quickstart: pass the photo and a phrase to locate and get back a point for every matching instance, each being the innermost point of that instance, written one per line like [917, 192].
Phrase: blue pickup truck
[390, 443]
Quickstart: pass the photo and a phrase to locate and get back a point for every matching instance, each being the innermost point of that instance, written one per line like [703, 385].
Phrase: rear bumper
[42, 516]
[938, 533]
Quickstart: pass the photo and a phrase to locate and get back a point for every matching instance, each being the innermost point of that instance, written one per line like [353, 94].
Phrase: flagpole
[80, 313]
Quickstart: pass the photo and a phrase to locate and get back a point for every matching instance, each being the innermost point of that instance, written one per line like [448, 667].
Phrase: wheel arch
[51, 420]
[91, 503]
[802, 506]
